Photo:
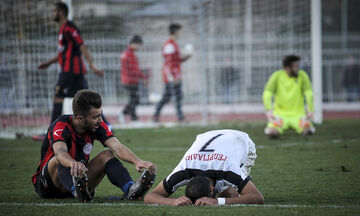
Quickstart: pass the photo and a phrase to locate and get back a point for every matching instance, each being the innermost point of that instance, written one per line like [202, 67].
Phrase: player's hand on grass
[205, 201]
[182, 201]
[78, 169]
[44, 65]
[149, 166]
[97, 71]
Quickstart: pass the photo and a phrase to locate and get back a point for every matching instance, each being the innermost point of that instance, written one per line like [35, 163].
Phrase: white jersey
[226, 156]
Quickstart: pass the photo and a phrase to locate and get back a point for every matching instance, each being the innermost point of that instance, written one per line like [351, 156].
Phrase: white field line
[152, 205]
[182, 149]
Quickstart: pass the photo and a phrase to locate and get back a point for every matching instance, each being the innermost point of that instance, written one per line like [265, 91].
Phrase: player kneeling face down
[215, 170]
[65, 170]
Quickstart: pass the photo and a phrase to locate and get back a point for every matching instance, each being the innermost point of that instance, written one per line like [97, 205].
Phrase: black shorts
[45, 188]
[68, 84]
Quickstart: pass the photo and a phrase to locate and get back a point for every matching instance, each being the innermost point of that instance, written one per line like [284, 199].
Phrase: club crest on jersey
[75, 34]
[87, 148]
[56, 132]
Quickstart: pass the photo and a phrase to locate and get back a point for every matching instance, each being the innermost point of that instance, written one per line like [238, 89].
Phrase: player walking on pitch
[130, 75]
[172, 73]
[64, 169]
[218, 165]
[70, 49]
[289, 87]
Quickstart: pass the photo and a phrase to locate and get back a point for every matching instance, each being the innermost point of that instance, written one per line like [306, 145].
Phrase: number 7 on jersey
[203, 149]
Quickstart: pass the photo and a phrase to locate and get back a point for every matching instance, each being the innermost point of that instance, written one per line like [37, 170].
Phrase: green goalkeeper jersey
[289, 94]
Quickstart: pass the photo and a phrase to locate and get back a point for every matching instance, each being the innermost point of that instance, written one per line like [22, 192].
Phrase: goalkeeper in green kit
[284, 98]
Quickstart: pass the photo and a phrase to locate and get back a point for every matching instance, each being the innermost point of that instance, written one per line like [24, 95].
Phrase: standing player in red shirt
[172, 73]
[64, 169]
[70, 49]
[130, 75]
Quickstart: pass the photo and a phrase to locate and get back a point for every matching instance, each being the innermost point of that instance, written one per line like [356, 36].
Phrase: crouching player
[65, 170]
[215, 170]
[290, 88]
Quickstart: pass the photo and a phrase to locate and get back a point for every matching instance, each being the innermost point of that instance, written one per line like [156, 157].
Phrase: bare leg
[96, 169]
[95, 173]
[53, 172]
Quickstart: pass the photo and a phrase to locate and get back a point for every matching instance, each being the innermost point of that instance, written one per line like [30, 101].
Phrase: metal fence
[238, 44]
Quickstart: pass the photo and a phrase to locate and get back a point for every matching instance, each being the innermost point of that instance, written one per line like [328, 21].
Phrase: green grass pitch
[316, 175]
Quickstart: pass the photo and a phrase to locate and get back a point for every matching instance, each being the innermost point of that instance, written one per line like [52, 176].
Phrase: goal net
[237, 45]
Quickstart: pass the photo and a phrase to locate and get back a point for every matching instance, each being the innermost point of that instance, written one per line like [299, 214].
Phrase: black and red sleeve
[74, 35]
[103, 133]
[60, 132]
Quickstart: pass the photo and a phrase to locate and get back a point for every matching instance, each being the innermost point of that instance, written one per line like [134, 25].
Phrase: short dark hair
[289, 59]
[84, 100]
[174, 27]
[136, 39]
[63, 7]
[198, 187]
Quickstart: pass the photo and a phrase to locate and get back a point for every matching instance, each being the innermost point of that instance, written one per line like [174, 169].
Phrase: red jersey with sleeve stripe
[79, 146]
[172, 61]
[130, 71]
[69, 49]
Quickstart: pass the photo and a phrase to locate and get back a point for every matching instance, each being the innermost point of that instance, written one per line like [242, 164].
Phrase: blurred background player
[229, 77]
[64, 169]
[289, 87]
[130, 75]
[218, 164]
[70, 49]
[172, 73]
[351, 79]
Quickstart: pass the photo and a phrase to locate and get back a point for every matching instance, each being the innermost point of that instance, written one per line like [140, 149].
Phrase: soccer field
[314, 175]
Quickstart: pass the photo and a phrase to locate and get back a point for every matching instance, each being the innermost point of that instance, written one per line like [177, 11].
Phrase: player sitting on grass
[217, 164]
[290, 87]
[65, 170]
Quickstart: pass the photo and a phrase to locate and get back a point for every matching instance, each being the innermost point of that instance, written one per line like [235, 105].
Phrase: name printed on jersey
[206, 157]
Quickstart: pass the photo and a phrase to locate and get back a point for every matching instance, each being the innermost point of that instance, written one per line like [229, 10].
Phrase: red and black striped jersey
[79, 146]
[69, 49]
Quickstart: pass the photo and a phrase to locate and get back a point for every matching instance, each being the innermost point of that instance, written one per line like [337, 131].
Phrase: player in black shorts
[71, 47]
[64, 169]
